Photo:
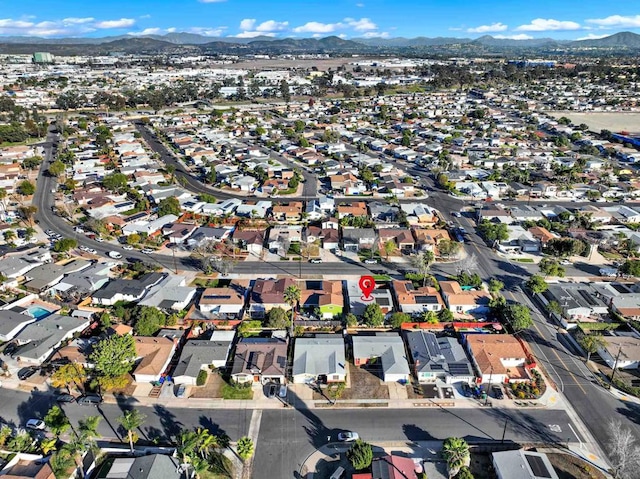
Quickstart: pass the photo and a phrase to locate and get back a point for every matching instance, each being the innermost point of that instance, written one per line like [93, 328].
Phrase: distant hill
[190, 43]
[623, 39]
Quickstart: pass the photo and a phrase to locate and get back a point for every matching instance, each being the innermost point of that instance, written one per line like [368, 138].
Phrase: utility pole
[504, 431]
[486, 401]
[615, 364]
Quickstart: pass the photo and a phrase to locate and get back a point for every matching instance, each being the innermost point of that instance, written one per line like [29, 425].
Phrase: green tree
[61, 463]
[518, 316]
[398, 318]
[9, 236]
[57, 421]
[456, 452]
[448, 248]
[31, 163]
[277, 318]
[631, 267]
[28, 212]
[360, 455]
[65, 244]
[56, 168]
[389, 248]
[551, 267]
[169, 206]
[116, 182]
[350, 320]
[445, 315]
[553, 307]
[148, 320]
[26, 188]
[114, 356]
[591, 343]
[133, 239]
[422, 262]
[69, 374]
[245, 448]
[430, 317]
[495, 285]
[493, 231]
[537, 284]
[373, 315]
[130, 421]
[291, 297]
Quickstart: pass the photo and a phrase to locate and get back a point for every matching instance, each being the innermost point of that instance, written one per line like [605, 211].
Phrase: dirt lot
[211, 389]
[570, 467]
[363, 385]
[597, 121]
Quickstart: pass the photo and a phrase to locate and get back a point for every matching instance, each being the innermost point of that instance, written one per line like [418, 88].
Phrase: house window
[335, 377]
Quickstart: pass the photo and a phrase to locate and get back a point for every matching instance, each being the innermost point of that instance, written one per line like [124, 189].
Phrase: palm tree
[131, 420]
[389, 248]
[206, 442]
[61, 462]
[291, 297]
[456, 453]
[422, 262]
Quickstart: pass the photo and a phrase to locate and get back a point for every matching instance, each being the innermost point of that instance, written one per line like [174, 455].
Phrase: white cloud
[148, 31]
[121, 23]
[77, 21]
[593, 36]
[207, 31]
[519, 36]
[145, 16]
[494, 27]
[361, 25]
[619, 21]
[254, 34]
[317, 27]
[543, 25]
[360, 5]
[269, 26]
[247, 24]
[9, 23]
[376, 35]
[172, 30]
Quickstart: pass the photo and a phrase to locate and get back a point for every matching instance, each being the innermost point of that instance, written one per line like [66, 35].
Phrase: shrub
[202, 378]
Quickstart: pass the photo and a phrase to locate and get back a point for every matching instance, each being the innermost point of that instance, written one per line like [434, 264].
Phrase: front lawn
[236, 391]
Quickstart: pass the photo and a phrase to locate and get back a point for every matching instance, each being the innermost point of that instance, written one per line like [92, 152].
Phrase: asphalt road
[287, 437]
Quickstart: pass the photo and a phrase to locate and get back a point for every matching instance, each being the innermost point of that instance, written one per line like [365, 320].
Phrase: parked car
[497, 392]
[89, 400]
[127, 247]
[99, 240]
[65, 398]
[272, 389]
[348, 436]
[147, 251]
[283, 391]
[466, 390]
[181, 391]
[371, 261]
[315, 260]
[36, 424]
[26, 373]
[115, 255]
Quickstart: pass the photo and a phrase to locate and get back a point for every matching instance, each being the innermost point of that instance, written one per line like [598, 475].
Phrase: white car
[147, 251]
[91, 251]
[36, 424]
[348, 436]
[127, 247]
[99, 240]
[115, 255]
[84, 248]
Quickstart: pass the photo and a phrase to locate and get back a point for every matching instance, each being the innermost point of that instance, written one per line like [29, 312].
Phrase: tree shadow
[318, 433]
[415, 433]
[168, 421]
[213, 428]
[36, 405]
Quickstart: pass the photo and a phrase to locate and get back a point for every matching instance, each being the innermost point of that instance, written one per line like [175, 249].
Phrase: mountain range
[194, 44]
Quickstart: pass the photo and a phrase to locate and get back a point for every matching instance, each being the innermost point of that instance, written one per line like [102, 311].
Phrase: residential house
[47, 275]
[268, 294]
[521, 464]
[357, 208]
[78, 285]
[419, 214]
[282, 236]
[223, 303]
[428, 239]
[381, 295]
[12, 322]
[385, 348]
[16, 266]
[204, 234]
[152, 466]
[27, 466]
[324, 295]
[499, 356]
[416, 301]
[394, 467]
[126, 289]
[288, 212]
[153, 358]
[465, 301]
[171, 293]
[177, 233]
[39, 340]
[319, 360]
[621, 351]
[260, 360]
[401, 237]
[519, 240]
[198, 354]
[148, 227]
[541, 235]
[355, 239]
[438, 358]
[578, 301]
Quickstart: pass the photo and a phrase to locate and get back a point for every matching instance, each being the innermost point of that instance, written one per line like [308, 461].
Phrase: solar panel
[426, 299]
[382, 301]
[458, 369]
[537, 465]
[436, 367]
[588, 298]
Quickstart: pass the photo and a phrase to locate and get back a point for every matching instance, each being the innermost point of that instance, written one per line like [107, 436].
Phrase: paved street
[287, 437]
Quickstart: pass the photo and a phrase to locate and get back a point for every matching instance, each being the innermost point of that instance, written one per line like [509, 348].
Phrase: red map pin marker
[367, 285]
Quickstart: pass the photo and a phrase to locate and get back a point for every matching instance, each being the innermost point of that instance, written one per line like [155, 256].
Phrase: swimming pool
[38, 312]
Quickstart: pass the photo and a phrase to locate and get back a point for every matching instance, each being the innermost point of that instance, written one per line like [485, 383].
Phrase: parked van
[338, 474]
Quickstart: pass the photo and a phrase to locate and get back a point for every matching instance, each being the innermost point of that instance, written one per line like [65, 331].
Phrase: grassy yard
[523, 260]
[230, 391]
[205, 282]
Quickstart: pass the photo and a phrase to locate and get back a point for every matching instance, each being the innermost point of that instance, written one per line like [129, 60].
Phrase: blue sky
[562, 19]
